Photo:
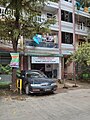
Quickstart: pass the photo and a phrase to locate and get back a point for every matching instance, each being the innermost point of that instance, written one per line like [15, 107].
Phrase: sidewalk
[70, 85]
[61, 88]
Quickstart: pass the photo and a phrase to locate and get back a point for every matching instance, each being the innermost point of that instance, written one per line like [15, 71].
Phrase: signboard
[45, 59]
[15, 60]
[37, 38]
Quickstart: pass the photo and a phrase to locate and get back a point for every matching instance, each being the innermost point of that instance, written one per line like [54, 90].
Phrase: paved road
[71, 105]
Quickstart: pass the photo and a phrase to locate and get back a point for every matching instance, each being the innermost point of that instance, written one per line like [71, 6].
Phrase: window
[66, 16]
[81, 41]
[67, 38]
[34, 75]
[0, 10]
[3, 11]
[5, 58]
[49, 15]
[68, 0]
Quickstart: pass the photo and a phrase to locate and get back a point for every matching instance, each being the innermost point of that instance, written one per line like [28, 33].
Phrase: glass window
[68, 0]
[0, 10]
[66, 16]
[49, 15]
[34, 75]
[67, 38]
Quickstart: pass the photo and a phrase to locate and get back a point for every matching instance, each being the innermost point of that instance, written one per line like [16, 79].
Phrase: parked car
[35, 81]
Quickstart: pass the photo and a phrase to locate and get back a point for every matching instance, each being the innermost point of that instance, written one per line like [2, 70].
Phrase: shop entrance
[38, 67]
[44, 68]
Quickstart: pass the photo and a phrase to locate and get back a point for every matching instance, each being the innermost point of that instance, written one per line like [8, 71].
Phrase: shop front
[49, 64]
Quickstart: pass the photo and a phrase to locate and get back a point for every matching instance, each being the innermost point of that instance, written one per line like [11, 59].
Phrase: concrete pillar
[59, 69]
[29, 63]
[62, 68]
[59, 41]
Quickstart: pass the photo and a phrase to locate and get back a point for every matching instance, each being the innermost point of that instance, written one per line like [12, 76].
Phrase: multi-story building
[70, 29]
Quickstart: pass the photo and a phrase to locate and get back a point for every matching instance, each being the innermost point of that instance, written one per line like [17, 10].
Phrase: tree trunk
[13, 86]
[15, 43]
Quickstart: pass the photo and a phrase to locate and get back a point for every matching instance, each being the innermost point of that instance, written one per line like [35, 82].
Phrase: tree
[81, 60]
[82, 55]
[20, 19]
[24, 12]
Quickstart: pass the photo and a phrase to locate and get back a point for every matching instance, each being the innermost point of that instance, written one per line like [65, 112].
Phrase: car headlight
[53, 84]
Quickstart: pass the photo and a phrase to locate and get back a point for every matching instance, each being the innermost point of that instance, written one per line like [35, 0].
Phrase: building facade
[70, 30]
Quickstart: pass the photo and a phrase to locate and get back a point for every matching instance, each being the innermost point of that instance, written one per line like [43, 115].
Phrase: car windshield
[36, 75]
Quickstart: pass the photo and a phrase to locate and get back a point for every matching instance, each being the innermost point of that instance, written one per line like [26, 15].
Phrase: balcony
[67, 5]
[6, 42]
[7, 13]
[81, 29]
[67, 26]
[46, 41]
[51, 6]
[67, 46]
[41, 44]
[54, 27]
[2, 10]
[82, 13]
[41, 19]
[67, 49]
[68, 1]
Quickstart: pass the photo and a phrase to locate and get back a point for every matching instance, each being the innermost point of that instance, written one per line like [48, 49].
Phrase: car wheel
[27, 89]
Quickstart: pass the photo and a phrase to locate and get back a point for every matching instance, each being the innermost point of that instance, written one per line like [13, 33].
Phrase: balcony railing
[52, 3]
[41, 44]
[6, 42]
[40, 19]
[81, 28]
[67, 1]
[4, 13]
[31, 43]
[54, 0]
